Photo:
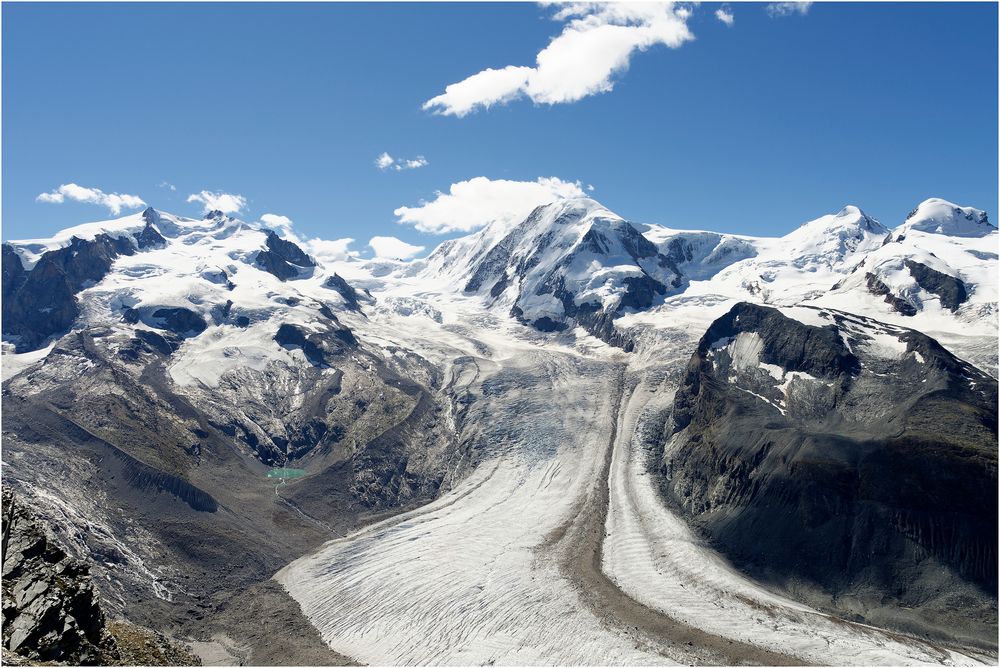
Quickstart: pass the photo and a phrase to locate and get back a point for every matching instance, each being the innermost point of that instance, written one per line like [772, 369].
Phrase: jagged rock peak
[151, 216]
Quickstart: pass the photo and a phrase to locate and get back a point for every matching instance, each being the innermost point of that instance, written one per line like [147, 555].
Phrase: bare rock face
[42, 302]
[950, 290]
[283, 258]
[854, 459]
[149, 236]
[52, 612]
[180, 320]
[50, 609]
[351, 296]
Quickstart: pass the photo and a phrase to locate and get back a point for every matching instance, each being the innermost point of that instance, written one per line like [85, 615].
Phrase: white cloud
[484, 89]
[169, 186]
[54, 197]
[386, 161]
[275, 221]
[391, 248]
[415, 163]
[469, 205]
[595, 44]
[326, 250]
[114, 202]
[725, 15]
[219, 201]
[787, 8]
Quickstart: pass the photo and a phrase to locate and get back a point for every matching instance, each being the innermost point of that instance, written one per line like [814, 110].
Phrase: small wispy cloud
[275, 221]
[386, 161]
[391, 248]
[167, 185]
[776, 9]
[469, 205]
[725, 14]
[219, 201]
[596, 44]
[114, 202]
[330, 250]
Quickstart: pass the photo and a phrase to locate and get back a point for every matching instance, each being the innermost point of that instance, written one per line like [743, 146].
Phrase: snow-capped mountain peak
[938, 216]
[569, 262]
[833, 237]
[575, 209]
[215, 291]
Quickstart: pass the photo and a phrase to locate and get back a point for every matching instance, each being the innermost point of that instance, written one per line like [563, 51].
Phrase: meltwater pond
[286, 473]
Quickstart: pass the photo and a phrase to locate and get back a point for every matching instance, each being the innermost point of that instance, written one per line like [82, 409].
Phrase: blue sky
[751, 128]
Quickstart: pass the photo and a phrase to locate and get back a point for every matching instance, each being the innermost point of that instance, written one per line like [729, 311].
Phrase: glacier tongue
[494, 570]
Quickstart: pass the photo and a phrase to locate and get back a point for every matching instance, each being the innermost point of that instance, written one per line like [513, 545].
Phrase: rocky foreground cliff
[52, 613]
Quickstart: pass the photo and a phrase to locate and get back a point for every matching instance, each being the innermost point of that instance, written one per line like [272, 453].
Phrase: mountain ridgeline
[574, 263]
[191, 404]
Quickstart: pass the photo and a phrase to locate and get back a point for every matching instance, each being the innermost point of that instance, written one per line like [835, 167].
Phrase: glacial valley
[573, 440]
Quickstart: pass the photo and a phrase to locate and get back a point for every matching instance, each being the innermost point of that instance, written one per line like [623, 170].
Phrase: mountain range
[207, 415]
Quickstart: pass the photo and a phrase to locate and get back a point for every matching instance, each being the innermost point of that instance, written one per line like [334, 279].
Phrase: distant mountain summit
[572, 262]
[575, 263]
[938, 216]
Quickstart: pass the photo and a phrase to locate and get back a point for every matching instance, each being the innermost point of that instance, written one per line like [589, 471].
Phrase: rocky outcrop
[179, 320]
[319, 348]
[283, 258]
[351, 296]
[950, 290]
[52, 612]
[14, 273]
[149, 237]
[836, 457]
[50, 609]
[165, 345]
[877, 287]
[42, 302]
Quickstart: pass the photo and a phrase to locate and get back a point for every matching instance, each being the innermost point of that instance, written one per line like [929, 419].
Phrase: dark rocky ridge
[873, 496]
[179, 320]
[149, 236]
[53, 613]
[321, 349]
[40, 303]
[51, 610]
[351, 296]
[950, 290]
[283, 258]
[877, 287]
